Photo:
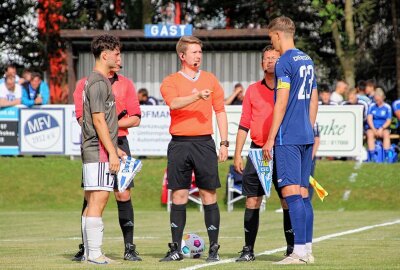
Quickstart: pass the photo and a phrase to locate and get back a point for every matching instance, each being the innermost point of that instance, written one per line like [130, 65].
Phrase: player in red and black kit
[129, 115]
[257, 109]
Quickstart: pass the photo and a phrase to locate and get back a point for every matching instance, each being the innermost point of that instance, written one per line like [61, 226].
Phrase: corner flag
[321, 192]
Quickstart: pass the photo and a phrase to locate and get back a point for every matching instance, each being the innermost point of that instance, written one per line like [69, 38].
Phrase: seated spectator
[325, 95]
[36, 92]
[340, 91]
[370, 89]
[352, 99]
[361, 86]
[10, 92]
[11, 70]
[396, 112]
[379, 119]
[237, 96]
[26, 77]
[145, 99]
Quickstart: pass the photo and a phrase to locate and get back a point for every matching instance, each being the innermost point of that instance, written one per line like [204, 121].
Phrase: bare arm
[128, 122]
[315, 146]
[282, 97]
[103, 132]
[5, 103]
[370, 122]
[181, 102]
[237, 159]
[222, 122]
[387, 123]
[313, 106]
[232, 97]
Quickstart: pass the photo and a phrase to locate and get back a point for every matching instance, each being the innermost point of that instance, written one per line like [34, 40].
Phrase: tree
[18, 34]
[396, 30]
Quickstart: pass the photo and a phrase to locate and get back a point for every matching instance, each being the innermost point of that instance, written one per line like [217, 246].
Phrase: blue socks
[309, 219]
[297, 211]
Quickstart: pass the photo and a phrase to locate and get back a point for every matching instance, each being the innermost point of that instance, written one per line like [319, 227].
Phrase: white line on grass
[316, 240]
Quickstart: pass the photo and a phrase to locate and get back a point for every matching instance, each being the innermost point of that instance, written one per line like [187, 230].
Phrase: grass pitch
[40, 202]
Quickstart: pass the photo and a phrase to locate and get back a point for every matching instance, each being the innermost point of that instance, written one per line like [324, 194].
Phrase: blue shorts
[293, 164]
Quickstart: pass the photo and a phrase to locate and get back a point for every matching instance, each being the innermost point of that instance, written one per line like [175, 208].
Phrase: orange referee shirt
[196, 118]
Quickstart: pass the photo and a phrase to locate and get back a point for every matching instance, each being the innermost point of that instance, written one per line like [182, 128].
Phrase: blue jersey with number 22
[294, 70]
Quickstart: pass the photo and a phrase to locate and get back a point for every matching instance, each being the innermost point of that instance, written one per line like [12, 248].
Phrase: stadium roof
[219, 39]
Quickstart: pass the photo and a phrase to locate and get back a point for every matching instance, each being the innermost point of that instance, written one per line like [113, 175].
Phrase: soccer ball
[192, 246]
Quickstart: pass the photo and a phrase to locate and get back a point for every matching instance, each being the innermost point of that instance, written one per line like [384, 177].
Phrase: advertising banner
[151, 138]
[73, 133]
[341, 130]
[9, 118]
[42, 131]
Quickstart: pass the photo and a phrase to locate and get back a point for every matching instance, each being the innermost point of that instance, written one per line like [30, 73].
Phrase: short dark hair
[324, 88]
[143, 91]
[361, 85]
[9, 77]
[10, 65]
[104, 42]
[238, 85]
[370, 82]
[267, 49]
[36, 74]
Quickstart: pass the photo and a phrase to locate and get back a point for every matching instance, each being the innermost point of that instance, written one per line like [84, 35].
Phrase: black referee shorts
[251, 184]
[192, 153]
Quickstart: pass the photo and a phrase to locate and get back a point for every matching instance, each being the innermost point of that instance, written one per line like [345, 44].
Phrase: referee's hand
[223, 153]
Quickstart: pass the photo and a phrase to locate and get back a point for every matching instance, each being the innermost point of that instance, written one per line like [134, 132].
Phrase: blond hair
[379, 92]
[184, 41]
[283, 24]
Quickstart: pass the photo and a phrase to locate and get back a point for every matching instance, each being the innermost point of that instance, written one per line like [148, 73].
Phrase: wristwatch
[224, 143]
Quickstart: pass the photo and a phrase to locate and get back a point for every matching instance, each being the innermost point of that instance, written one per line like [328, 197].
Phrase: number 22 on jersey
[307, 73]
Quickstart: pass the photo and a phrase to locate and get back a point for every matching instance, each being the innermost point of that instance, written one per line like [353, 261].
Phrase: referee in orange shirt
[192, 94]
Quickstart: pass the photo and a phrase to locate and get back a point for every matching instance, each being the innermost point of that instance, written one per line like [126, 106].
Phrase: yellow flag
[321, 192]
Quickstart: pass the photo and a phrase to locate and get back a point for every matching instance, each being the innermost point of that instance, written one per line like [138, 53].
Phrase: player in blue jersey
[379, 119]
[396, 112]
[291, 134]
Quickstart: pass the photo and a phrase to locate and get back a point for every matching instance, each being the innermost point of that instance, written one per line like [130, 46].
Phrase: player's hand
[267, 149]
[113, 163]
[238, 164]
[205, 94]
[223, 153]
[380, 132]
[121, 154]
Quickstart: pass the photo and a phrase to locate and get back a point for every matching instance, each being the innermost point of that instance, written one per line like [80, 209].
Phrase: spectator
[352, 99]
[361, 86]
[237, 96]
[36, 92]
[370, 89]
[340, 90]
[11, 70]
[10, 92]
[26, 77]
[379, 119]
[325, 95]
[145, 99]
[396, 112]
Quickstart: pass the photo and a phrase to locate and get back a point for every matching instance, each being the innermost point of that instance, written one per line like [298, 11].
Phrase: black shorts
[192, 153]
[123, 144]
[251, 184]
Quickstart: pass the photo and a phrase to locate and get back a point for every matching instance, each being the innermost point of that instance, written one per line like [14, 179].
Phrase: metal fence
[147, 69]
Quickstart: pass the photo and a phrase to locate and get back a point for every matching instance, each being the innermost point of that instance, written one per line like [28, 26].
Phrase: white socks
[84, 236]
[300, 250]
[309, 248]
[94, 236]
